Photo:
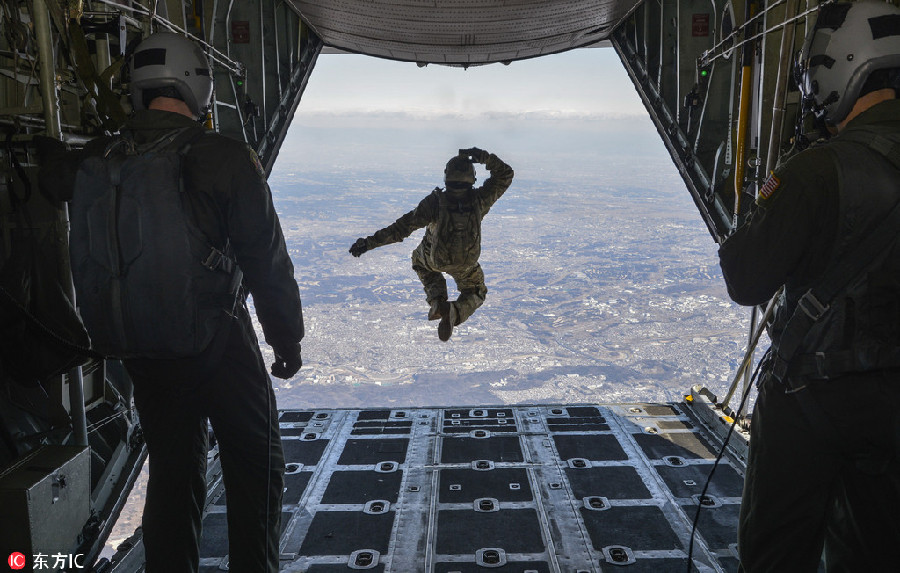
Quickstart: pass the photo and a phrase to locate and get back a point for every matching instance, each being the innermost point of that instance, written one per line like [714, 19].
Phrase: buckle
[214, 260]
[820, 366]
[811, 306]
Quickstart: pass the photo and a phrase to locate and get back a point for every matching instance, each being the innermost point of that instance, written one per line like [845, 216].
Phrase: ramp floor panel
[510, 489]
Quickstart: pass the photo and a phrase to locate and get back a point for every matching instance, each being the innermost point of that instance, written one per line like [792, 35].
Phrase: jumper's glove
[359, 247]
[477, 155]
[287, 362]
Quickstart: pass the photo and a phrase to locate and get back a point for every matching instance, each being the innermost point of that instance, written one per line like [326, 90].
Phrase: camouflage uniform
[468, 275]
[828, 476]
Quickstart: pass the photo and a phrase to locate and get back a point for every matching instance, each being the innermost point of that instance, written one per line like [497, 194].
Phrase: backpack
[148, 282]
[456, 234]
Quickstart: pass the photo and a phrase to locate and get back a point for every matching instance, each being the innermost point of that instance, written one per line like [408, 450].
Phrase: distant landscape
[603, 281]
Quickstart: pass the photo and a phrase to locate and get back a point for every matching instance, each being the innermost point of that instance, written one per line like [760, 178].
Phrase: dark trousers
[837, 487]
[174, 400]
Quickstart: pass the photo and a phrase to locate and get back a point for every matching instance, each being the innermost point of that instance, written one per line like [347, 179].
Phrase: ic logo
[16, 561]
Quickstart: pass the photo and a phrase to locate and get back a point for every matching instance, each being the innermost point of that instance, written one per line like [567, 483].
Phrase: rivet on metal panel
[455, 487]
[555, 485]
[690, 482]
[399, 414]
[618, 554]
[487, 504]
[310, 436]
[674, 461]
[596, 503]
[635, 410]
[579, 463]
[321, 416]
[556, 411]
[363, 559]
[413, 488]
[490, 557]
[482, 465]
[292, 468]
[386, 467]
[515, 486]
[651, 430]
[377, 506]
[707, 500]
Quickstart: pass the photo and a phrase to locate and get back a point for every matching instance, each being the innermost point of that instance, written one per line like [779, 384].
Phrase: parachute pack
[148, 282]
[456, 235]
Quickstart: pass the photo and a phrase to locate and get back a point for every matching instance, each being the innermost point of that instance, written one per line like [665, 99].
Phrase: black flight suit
[227, 384]
[827, 474]
[469, 277]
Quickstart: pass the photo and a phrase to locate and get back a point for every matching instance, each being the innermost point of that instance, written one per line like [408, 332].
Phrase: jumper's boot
[448, 320]
[434, 312]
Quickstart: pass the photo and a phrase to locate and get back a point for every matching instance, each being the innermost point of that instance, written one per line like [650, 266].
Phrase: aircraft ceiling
[462, 32]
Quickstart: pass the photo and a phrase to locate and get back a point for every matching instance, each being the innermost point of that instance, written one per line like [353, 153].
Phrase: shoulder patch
[254, 158]
[769, 187]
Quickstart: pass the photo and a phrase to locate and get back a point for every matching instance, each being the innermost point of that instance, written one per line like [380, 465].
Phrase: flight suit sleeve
[789, 230]
[404, 226]
[497, 184]
[259, 247]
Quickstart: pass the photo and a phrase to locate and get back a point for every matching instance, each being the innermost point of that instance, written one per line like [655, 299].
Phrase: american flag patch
[770, 186]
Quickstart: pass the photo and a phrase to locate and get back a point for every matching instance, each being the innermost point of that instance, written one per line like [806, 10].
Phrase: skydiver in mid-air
[452, 241]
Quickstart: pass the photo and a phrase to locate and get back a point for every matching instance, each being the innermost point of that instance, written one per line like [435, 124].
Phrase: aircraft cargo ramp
[509, 488]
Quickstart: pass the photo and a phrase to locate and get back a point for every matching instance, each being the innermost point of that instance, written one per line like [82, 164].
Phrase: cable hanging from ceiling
[217, 56]
[710, 55]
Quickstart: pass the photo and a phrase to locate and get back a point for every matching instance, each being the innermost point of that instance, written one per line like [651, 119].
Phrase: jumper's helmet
[171, 61]
[459, 170]
[849, 41]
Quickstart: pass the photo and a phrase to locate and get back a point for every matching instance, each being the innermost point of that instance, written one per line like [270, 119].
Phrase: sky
[583, 82]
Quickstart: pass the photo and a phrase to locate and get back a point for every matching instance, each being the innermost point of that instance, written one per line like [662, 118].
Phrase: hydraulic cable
[702, 496]
[751, 347]
[723, 47]
[222, 59]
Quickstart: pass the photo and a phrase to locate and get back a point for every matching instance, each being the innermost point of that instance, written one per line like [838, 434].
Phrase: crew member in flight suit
[452, 240]
[227, 384]
[823, 469]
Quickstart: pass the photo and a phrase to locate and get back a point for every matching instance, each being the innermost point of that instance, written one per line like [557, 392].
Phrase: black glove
[359, 247]
[287, 362]
[477, 155]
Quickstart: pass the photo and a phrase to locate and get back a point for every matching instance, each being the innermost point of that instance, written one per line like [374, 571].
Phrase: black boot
[448, 320]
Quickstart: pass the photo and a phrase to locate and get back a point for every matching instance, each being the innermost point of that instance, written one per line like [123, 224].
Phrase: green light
[704, 73]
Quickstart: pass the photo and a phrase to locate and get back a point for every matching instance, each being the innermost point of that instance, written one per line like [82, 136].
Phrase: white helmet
[848, 42]
[166, 60]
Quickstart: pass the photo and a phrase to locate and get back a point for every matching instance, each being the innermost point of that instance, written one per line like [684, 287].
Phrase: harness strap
[825, 365]
[815, 302]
